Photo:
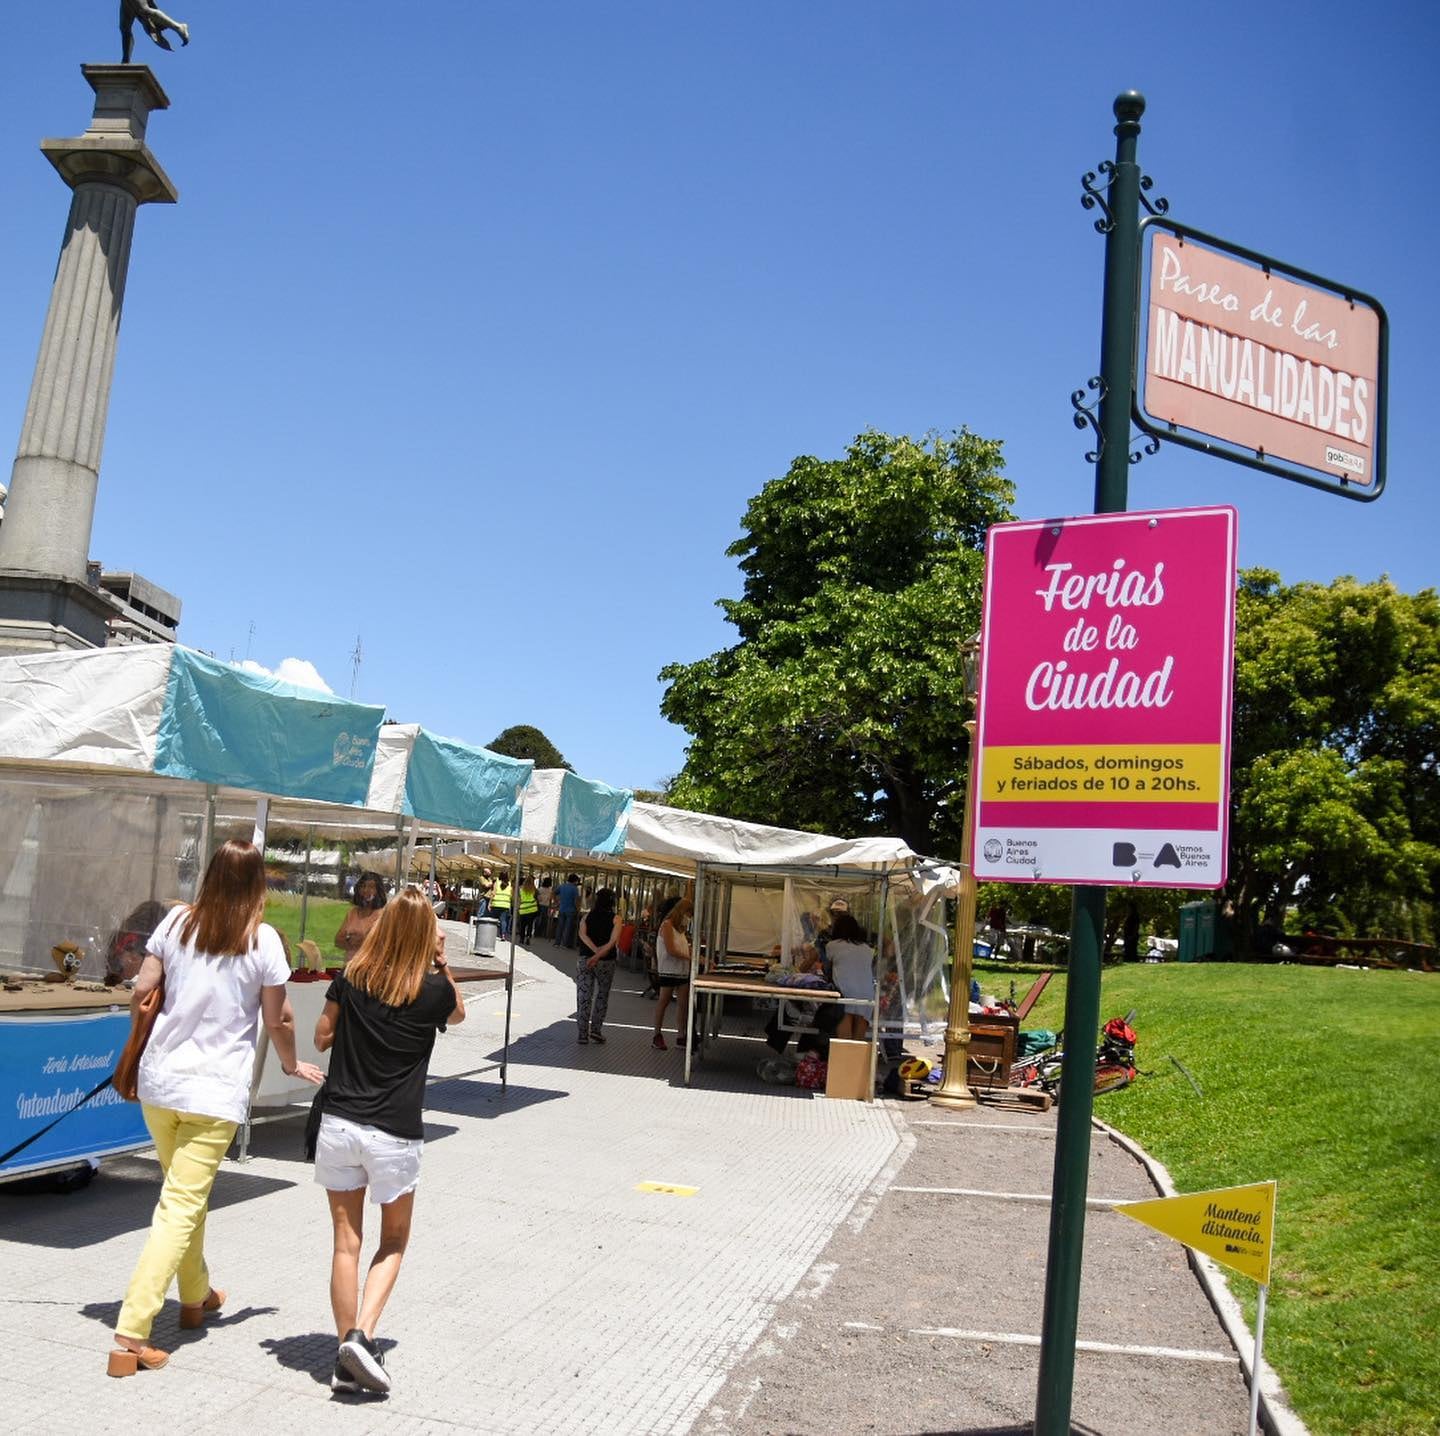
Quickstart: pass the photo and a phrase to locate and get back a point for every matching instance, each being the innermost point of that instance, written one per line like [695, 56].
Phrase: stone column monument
[45, 599]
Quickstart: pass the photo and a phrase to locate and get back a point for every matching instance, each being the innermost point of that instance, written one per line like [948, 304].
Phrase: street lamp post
[954, 1091]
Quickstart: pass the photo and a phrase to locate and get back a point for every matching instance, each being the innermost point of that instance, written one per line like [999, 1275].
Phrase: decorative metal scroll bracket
[1096, 198]
[1149, 444]
[1086, 413]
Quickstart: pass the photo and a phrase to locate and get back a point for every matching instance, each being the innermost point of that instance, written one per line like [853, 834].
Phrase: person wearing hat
[487, 891]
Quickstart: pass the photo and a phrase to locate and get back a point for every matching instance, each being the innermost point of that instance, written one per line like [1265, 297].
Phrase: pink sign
[1102, 746]
[1283, 369]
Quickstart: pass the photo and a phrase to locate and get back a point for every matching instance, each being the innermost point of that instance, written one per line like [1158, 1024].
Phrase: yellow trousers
[190, 1150]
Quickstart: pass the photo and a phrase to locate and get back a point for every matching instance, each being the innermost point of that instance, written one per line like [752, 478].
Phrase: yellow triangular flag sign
[1234, 1225]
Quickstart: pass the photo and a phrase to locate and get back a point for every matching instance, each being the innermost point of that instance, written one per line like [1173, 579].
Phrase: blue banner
[223, 725]
[47, 1064]
[593, 816]
[463, 787]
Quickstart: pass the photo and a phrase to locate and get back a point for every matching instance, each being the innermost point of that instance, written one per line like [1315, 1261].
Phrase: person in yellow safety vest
[529, 907]
[500, 902]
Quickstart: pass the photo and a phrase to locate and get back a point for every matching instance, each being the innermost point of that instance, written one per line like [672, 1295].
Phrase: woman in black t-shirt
[381, 1016]
[596, 970]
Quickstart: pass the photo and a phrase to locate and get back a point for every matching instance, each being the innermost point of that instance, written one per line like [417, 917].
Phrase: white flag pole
[1255, 1367]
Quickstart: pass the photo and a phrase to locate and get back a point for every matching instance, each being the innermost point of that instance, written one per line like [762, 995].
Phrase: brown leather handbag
[143, 1012]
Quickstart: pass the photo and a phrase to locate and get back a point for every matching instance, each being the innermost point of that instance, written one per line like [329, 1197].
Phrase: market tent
[113, 763]
[174, 713]
[665, 835]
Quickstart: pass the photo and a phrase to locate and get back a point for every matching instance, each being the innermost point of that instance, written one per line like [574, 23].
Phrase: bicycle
[1114, 1061]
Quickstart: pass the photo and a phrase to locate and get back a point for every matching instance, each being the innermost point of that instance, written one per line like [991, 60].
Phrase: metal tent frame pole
[510, 974]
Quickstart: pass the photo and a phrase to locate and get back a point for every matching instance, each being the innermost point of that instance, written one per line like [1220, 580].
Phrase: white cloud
[299, 671]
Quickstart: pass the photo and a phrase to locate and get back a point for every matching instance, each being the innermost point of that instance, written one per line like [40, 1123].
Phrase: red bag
[810, 1072]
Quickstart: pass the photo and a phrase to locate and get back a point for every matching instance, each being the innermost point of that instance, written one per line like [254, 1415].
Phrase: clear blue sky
[477, 325]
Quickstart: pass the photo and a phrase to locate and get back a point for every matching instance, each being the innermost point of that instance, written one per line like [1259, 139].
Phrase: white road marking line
[863, 1326]
[985, 1126]
[1012, 1338]
[1004, 1196]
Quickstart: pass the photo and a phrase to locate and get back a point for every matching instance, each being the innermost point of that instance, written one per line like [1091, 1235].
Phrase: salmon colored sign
[1103, 724]
[1282, 369]
[1233, 1225]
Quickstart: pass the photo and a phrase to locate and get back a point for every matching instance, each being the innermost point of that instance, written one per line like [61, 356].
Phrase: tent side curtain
[223, 725]
[458, 786]
[101, 706]
[592, 816]
[564, 810]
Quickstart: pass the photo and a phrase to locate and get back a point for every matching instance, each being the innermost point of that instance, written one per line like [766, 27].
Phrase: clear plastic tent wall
[912, 949]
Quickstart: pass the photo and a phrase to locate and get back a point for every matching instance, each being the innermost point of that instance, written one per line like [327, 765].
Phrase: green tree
[1335, 795]
[841, 706]
[524, 741]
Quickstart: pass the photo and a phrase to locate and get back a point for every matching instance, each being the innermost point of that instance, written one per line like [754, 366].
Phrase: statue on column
[154, 21]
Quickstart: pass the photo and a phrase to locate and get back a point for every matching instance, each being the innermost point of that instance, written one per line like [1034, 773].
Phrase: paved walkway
[803, 1287]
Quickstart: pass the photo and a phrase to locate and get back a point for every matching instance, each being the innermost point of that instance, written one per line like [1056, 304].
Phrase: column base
[955, 1101]
[46, 612]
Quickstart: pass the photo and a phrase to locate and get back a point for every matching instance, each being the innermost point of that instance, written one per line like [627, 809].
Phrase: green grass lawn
[322, 920]
[1328, 1082]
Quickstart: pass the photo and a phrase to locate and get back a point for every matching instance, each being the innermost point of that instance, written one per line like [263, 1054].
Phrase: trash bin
[485, 936]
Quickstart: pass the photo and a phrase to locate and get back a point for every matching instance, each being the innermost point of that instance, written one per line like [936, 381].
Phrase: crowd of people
[223, 972]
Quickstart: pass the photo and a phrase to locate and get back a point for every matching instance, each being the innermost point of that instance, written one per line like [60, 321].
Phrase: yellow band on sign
[1234, 1225]
[1103, 773]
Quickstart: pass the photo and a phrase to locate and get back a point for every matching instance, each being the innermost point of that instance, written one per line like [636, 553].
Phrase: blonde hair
[679, 916]
[397, 952]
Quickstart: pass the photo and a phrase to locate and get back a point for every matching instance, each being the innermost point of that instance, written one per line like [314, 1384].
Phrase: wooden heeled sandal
[124, 1362]
[193, 1316]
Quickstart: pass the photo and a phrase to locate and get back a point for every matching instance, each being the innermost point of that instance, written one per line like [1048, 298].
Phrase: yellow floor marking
[670, 1189]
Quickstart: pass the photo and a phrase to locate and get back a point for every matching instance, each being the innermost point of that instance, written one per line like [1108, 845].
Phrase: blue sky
[473, 334]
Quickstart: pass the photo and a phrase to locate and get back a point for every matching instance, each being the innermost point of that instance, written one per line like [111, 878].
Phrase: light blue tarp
[222, 725]
[592, 816]
[458, 786]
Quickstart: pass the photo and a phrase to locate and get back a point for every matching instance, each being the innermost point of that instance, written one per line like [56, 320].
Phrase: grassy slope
[1326, 1081]
[322, 920]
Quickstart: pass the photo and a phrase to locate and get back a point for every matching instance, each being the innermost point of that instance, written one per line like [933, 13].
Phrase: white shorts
[350, 1156]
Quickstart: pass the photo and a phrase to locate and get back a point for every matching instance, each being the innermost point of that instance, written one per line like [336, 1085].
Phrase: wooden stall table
[732, 984]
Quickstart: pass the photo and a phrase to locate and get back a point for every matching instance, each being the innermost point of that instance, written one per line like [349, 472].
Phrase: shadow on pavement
[483, 1099]
[282, 1139]
[121, 1199]
[729, 1063]
[167, 1322]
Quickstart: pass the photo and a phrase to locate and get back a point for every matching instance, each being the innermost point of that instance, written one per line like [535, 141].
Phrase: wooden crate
[992, 1049]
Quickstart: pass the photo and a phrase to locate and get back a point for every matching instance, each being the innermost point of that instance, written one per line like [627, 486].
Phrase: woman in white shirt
[672, 964]
[223, 969]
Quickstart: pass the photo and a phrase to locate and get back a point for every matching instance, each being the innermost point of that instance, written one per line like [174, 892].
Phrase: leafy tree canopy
[1335, 793]
[524, 741]
[841, 706]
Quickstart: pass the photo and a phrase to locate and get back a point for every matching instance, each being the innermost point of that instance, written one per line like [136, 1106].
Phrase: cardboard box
[848, 1074]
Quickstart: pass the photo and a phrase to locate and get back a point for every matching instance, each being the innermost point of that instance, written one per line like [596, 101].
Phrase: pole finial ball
[1129, 105]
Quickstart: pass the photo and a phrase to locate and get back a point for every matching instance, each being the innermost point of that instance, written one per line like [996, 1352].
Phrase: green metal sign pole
[1087, 920]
